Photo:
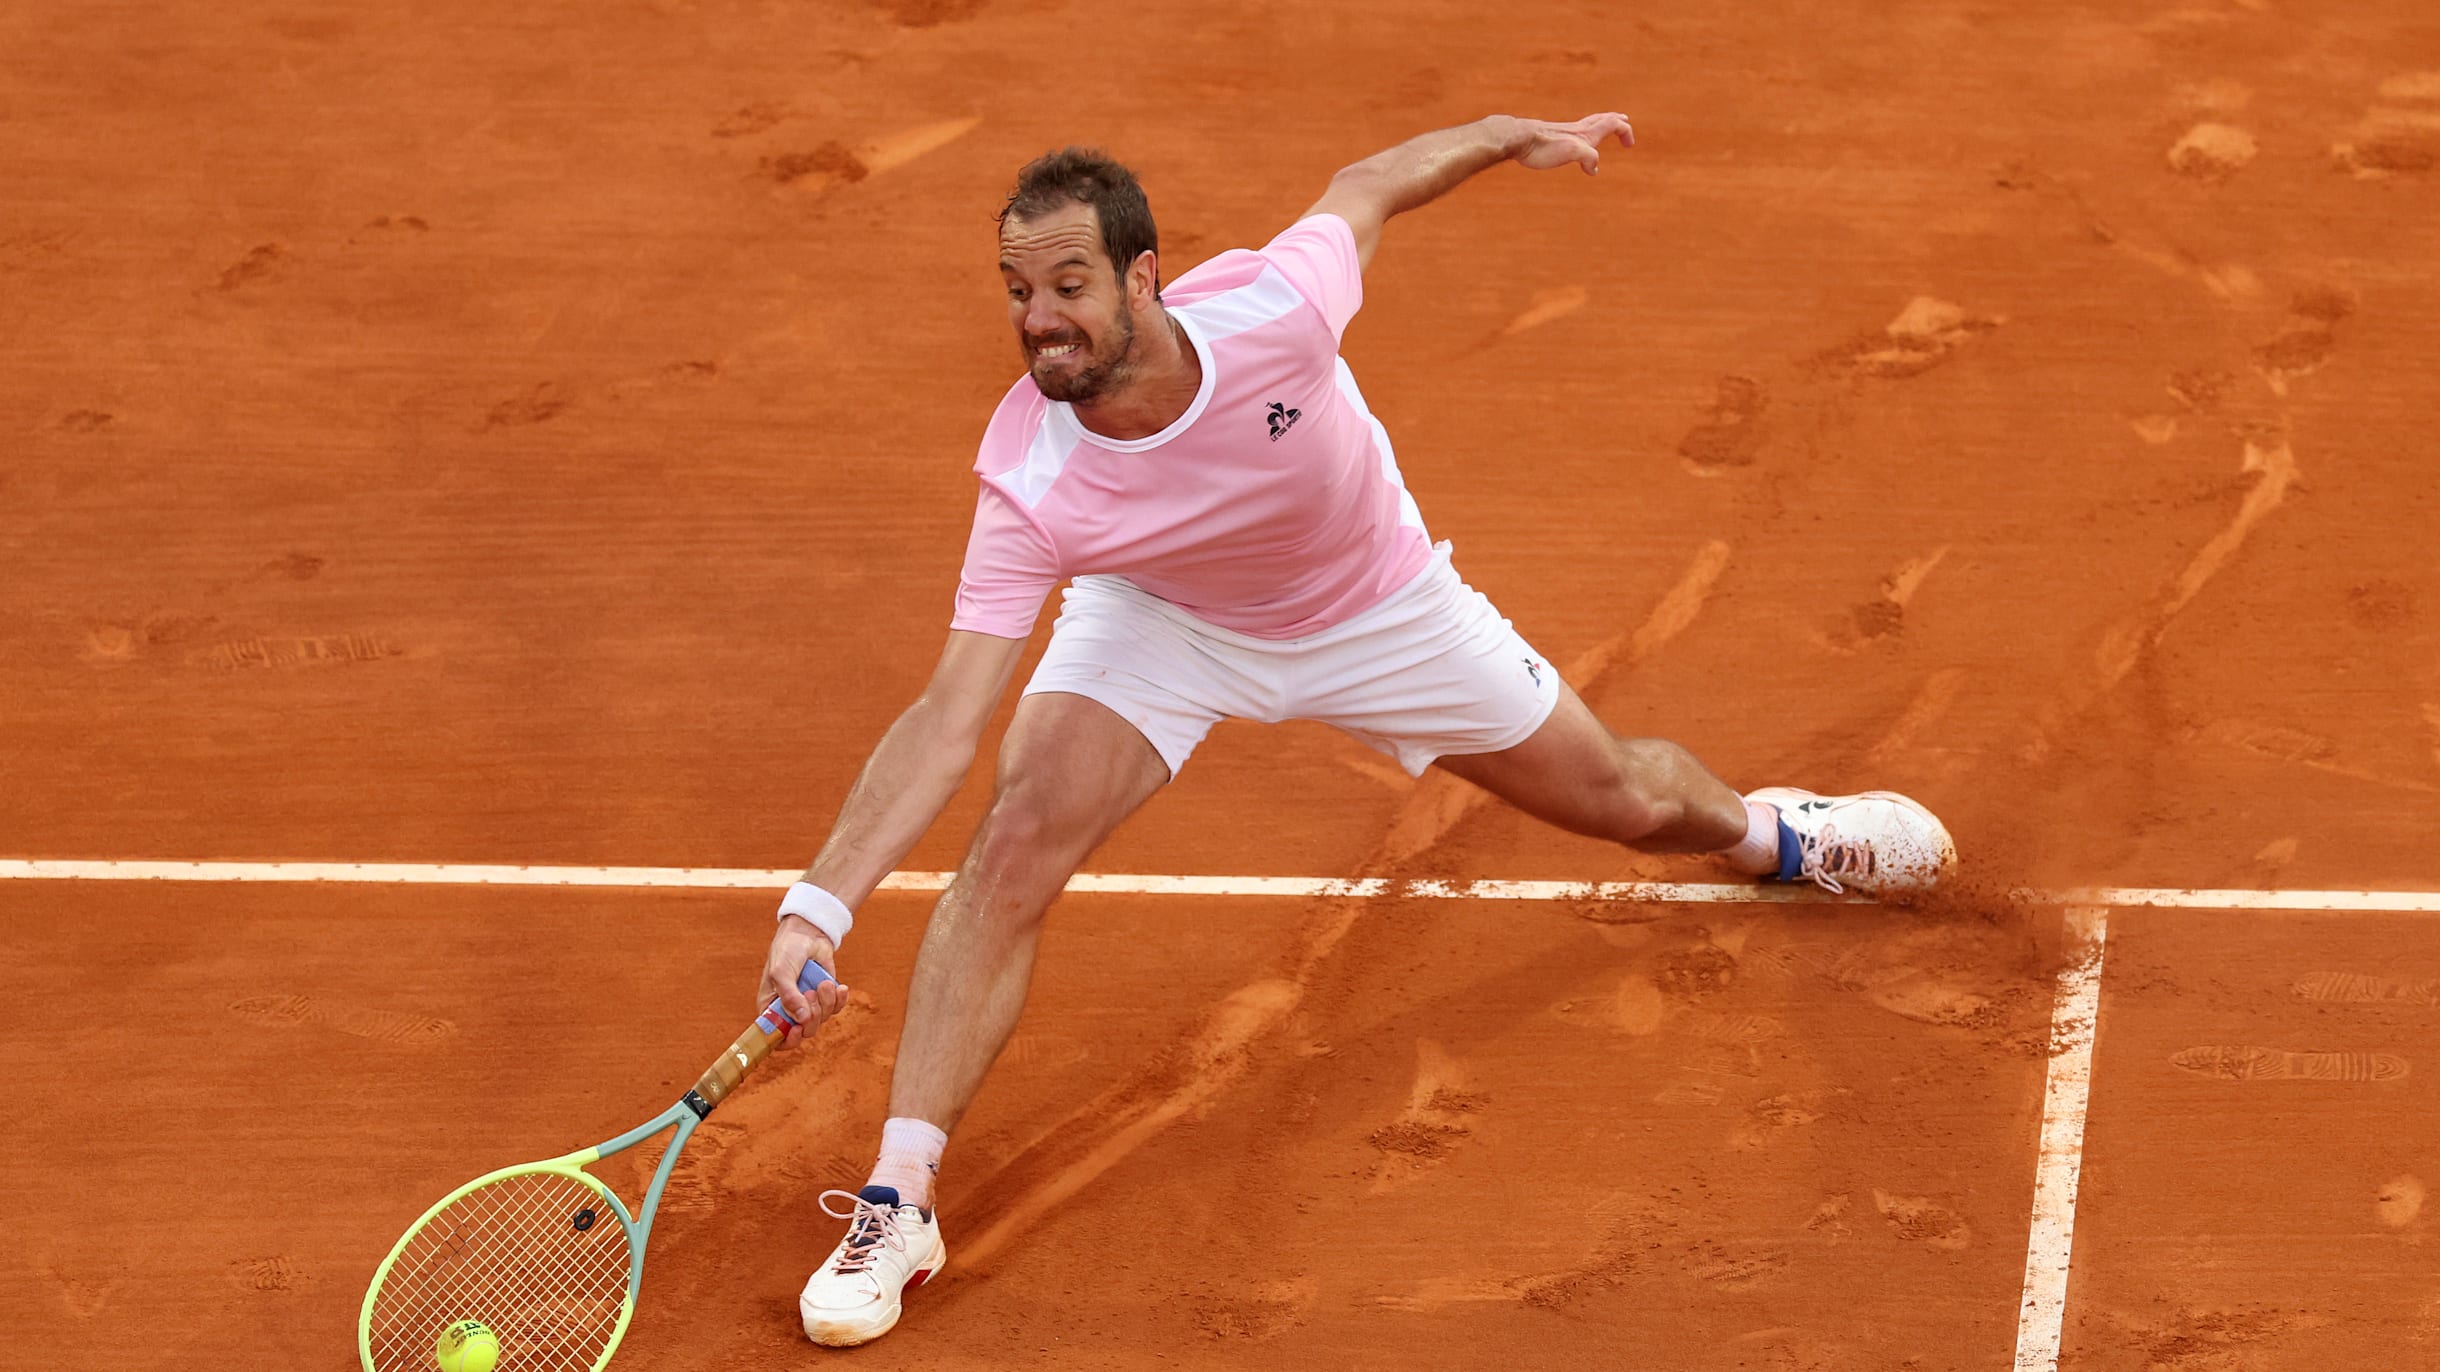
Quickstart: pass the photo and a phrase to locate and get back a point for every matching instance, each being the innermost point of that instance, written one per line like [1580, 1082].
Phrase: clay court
[539, 436]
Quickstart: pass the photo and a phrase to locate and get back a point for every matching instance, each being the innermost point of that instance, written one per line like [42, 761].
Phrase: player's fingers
[793, 1001]
[1601, 128]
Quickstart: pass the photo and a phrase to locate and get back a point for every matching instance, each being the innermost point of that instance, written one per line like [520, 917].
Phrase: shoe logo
[1282, 419]
[1533, 668]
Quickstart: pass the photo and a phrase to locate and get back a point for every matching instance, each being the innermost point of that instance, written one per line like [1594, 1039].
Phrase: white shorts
[1431, 670]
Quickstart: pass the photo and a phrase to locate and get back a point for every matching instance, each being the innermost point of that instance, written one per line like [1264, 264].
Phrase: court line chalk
[1139, 884]
[2074, 1023]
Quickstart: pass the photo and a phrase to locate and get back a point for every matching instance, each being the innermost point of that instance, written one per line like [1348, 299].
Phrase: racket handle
[752, 1046]
[773, 1017]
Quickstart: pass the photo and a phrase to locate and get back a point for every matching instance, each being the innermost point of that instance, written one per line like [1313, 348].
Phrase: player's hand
[793, 944]
[1542, 145]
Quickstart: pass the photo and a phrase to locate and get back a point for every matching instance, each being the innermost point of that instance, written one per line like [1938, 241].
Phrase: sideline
[2075, 1021]
[1113, 883]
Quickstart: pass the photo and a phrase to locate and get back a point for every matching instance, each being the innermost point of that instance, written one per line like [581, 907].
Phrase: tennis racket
[543, 1253]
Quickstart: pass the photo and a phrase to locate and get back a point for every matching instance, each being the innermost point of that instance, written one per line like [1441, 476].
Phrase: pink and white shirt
[1273, 507]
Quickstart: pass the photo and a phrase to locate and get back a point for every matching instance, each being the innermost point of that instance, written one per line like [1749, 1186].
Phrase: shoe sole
[847, 1332]
[1948, 844]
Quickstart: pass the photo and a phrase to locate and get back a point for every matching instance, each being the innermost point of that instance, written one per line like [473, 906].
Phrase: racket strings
[521, 1255]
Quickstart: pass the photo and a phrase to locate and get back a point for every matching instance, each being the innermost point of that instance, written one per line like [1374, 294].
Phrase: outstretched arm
[1421, 170]
[907, 781]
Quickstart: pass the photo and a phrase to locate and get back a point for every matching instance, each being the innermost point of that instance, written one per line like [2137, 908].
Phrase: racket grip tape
[752, 1046]
[773, 1018]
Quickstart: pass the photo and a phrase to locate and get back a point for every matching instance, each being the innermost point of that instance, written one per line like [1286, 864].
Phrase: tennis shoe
[1878, 843]
[853, 1297]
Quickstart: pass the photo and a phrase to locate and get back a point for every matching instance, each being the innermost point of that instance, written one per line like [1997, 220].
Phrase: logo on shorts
[1533, 668]
[1282, 419]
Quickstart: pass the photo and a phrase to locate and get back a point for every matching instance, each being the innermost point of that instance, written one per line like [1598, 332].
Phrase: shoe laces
[1827, 855]
[870, 1228]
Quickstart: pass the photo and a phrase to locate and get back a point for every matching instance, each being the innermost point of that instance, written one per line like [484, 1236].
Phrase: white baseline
[1112, 883]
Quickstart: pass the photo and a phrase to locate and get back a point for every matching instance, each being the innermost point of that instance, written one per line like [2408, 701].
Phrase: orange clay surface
[539, 433]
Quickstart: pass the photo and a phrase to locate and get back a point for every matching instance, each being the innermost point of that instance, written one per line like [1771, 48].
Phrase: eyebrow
[1062, 264]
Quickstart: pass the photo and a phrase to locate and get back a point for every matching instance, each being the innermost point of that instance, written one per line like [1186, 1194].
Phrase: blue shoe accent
[1791, 855]
[886, 1197]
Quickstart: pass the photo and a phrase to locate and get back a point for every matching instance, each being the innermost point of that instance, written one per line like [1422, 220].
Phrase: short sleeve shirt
[1273, 507]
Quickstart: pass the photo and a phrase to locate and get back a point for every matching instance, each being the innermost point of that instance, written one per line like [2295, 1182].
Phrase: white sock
[910, 1157]
[1757, 854]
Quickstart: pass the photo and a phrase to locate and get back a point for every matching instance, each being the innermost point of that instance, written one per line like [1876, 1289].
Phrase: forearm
[912, 773]
[1423, 169]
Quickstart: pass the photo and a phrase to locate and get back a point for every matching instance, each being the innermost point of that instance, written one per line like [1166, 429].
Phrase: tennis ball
[467, 1346]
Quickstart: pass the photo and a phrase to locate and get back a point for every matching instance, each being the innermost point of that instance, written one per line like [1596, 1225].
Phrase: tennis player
[1199, 465]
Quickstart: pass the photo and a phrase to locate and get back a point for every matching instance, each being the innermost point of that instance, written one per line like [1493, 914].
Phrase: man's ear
[1143, 279]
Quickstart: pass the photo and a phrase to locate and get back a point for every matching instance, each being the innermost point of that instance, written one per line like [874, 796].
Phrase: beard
[1104, 367]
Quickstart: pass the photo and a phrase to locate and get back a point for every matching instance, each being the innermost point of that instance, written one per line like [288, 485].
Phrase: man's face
[1068, 304]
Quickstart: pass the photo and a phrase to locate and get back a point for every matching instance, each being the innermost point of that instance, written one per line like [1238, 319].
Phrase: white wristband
[820, 909]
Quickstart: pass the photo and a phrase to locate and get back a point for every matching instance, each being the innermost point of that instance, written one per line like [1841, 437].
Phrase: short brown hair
[1089, 176]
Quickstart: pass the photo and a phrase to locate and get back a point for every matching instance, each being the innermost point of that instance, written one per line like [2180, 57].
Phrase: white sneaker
[1878, 843]
[853, 1297]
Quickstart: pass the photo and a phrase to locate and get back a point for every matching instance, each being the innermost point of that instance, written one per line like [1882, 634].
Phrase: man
[1202, 464]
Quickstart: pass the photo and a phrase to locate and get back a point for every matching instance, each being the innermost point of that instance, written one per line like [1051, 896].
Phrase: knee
[1012, 829]
[1026, 840]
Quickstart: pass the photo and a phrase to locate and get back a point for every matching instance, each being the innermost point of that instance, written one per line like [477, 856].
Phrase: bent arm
[916, 767]
[1421, 170]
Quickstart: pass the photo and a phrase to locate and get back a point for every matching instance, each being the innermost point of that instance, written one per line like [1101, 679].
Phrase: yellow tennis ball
[467, 1346]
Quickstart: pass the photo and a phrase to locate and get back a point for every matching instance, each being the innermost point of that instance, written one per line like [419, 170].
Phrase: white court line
[2074, 1023]
[1111, 883]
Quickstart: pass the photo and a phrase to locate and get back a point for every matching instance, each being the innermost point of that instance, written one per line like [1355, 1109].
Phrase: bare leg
[1646, 793]
[1070, 770]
